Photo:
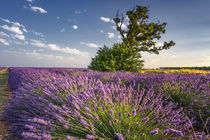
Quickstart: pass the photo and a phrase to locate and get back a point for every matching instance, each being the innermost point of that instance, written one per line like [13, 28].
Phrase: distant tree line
[197, 68]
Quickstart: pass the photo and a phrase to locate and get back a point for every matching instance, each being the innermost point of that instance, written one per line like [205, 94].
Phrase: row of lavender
[67, 103]
[1, 68]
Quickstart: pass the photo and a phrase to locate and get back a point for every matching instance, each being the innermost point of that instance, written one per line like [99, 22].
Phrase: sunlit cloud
[38, 9]
[106, 19]
[14, 29]
[37, 33]
[75, 27]
[55, 47]
[4, 34]
[29, 1]
[20, 37]
[37, 43]
[110, 35]
[4, 42]
[91, 45]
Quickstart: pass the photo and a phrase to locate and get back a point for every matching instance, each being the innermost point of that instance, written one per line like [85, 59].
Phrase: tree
[139, 36]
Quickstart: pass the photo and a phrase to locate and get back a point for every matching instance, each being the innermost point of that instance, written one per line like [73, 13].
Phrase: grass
[4, 94]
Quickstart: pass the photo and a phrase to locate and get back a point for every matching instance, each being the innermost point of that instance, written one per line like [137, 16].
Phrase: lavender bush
[56, 106]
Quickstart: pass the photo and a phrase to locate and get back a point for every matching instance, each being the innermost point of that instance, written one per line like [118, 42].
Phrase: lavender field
[56, 103]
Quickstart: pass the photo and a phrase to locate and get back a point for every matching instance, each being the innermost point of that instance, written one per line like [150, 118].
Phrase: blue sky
[67, 33]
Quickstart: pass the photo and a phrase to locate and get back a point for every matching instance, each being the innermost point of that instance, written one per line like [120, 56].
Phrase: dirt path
[4, 94]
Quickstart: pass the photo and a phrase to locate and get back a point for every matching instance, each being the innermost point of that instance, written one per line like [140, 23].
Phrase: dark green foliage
[120, 57]
[139, 36]
[103, 61]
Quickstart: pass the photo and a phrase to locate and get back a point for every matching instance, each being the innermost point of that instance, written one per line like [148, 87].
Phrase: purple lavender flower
[120, 115]
[116, 120]
[137, 124]
[176, 132]
[134, 112]
[69, 138]
[111, 113]
[145, 120]
[154, 132]
[110, 123]
[90, 136]
[128, 115]
[119, 136]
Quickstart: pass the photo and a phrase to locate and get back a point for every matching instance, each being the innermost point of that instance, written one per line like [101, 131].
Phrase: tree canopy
[139, 36]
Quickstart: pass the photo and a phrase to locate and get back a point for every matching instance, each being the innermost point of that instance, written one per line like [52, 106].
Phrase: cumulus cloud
[159, 44]
[55, 47]
[37, 43]
[29, 0]
[123, 27]
[16, 24]
[4, 42]
[21, 37]
[4, 34]
[91, 45]
[34, 53]
[101, 31]
[38, 9]
[67, 50]
[38, 33]
[75, 27]
[110, 35]
[14, 29]
[106, 19]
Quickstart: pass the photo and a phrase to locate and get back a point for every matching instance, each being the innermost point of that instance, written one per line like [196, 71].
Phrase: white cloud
[17, 24]
[77, 12]
[29, 0]
[55, 47]
[33, 53]
[4, 42]
[14, 29]
[21, 37]
[59, 57]
[91, 45]
[58, 17]
[4, 34]
[37, 43]
[63, 30]
[110, 35]
[101, 31]
[75, 27]
[67, 50]
[124, 26]
[159, 44]
[38, 9]
[37, 33]
[106, 19]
